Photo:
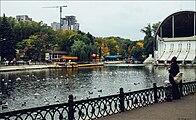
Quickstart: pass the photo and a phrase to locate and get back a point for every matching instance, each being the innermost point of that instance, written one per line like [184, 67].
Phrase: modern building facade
[23, 18]
[67, 23]
[176, 36]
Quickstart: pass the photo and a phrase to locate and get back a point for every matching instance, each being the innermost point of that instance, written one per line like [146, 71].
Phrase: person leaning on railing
[173, 71]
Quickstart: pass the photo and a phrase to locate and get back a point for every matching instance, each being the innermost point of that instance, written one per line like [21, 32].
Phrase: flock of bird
[46, 100]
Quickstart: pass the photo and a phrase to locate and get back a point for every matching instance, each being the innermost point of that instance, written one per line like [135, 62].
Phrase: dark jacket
[174, 69]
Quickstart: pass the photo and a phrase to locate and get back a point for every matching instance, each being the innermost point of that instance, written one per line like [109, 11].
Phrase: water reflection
[23, 89]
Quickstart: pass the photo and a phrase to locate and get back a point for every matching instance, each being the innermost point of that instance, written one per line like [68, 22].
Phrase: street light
[1, 40]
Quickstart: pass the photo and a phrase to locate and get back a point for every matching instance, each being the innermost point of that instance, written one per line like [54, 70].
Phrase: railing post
[155, 92]
[71, 110]
[61, 117]
[181, 90]
[122, 106]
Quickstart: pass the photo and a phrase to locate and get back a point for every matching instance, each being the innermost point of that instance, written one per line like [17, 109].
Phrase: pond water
[33, 88]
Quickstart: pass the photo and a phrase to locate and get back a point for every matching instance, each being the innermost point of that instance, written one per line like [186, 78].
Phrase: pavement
[183, 109]
[22, 67]
[4, 68]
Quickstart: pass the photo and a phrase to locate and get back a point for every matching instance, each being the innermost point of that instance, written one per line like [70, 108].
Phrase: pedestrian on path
[173, 71]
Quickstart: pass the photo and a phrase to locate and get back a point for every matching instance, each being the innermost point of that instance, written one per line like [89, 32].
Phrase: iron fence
[97, 107]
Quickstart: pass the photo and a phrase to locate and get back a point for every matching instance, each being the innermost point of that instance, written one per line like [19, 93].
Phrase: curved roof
[183, 25]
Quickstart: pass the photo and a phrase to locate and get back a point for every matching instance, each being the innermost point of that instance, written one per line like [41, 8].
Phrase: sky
[100, 18]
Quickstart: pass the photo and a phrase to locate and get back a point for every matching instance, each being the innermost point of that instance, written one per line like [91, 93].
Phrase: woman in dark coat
[174, 70]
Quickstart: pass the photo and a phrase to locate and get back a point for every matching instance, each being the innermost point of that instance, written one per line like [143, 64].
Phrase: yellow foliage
[141, 44]
[117, 48]
[129, 48]
[104, 50]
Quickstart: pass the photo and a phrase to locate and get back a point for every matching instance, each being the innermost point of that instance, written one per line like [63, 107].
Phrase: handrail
[98, 107]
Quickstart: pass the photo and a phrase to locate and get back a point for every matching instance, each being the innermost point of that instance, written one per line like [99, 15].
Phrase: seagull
[18, 78]
[24, 104]
[89, 92]
[99, 90]
[135, 83]
[5, 84]
[36, 94]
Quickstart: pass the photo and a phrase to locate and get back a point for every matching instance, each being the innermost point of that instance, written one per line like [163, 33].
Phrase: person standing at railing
[173, 71]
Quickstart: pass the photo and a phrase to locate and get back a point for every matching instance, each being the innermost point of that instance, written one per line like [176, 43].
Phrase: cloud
[101, 18]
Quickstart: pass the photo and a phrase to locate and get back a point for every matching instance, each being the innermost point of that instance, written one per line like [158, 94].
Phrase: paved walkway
[28, 67]
[22, 67]
[183, 109]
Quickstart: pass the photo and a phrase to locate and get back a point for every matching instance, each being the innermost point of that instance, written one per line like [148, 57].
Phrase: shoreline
[52, 66]
[31, 67]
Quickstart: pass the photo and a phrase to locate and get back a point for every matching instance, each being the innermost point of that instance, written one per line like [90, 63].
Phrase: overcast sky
[100, 18]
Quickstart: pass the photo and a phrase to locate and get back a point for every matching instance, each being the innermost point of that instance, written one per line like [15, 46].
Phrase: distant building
[67, 23]
[55, 26]
[52, 55]
[23, 18]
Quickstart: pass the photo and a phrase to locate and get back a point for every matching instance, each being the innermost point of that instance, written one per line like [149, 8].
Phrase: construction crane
[60, 12]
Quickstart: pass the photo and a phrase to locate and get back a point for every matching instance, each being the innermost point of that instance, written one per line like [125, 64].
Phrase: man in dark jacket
[174, 70]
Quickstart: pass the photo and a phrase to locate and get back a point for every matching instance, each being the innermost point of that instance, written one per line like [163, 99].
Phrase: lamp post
[1, 40]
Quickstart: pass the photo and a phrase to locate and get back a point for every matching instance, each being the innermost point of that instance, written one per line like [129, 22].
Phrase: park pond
[34, 88]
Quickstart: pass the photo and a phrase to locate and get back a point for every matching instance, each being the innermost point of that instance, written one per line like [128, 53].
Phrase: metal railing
[97, 107]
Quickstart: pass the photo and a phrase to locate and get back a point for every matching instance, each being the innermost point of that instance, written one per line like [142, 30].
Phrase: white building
[68, 23]
[55, 26]
[176, 36]
[23, 18]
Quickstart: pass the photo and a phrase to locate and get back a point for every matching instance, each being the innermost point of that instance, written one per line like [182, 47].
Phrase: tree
[65, 39]
[7, 39]
[147, 30]
[78, 49]
[82, 50]
[155, 27]
[137, 50]
[114, 46]
[34, 47]
[148, 40]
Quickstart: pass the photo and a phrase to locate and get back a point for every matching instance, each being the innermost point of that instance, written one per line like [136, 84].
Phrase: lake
[33, 88]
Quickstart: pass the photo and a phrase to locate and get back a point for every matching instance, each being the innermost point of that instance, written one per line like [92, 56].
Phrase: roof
[193, 38]
[69, 58]
[57, 52]
[183, 25]
[110, 57]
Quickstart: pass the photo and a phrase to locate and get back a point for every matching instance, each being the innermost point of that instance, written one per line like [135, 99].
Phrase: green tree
[34, 47]
[82, 50]
[7, 39]
[78, 49]
[155, 27]
[148, 40]
[65, 39]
